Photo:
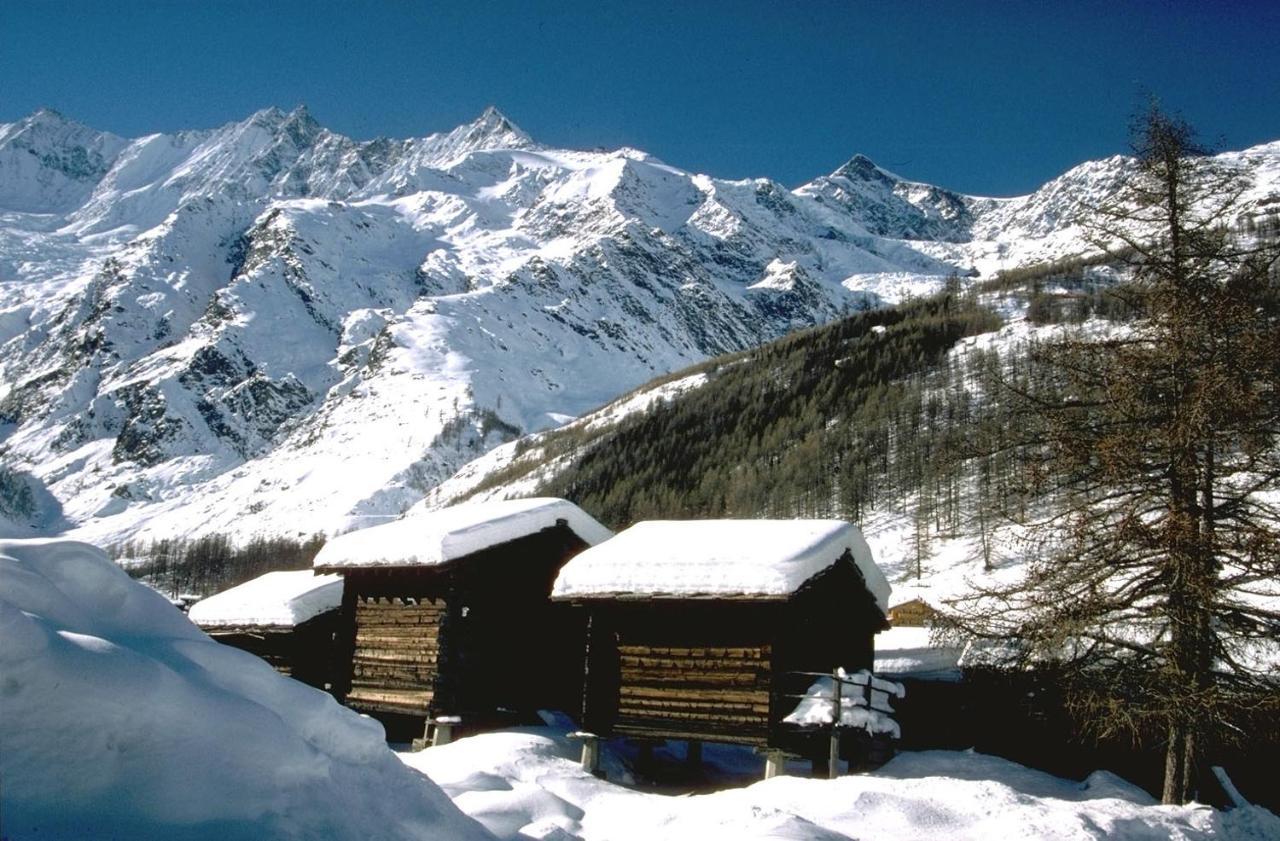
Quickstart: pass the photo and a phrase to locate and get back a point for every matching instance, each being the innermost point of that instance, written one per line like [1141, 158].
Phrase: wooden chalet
[711, 630]
[288, 619]
[447, 613]
[915, 613]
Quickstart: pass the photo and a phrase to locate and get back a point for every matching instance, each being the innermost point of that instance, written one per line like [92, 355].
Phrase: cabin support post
[693, 754]
[645, 759]
[590, 751]
[775, 763]
[833, 750]
[442, 733]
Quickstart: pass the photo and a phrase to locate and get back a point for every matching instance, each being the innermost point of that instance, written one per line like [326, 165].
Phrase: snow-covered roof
[283, 599]
[687, 558]
[436, 537]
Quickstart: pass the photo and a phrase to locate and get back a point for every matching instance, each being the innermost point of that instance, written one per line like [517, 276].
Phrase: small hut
[447, 613]
[710, 630]
[286, 618]
[914, 613]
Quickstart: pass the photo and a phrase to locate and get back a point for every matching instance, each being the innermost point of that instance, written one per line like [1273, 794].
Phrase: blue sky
[985, 97]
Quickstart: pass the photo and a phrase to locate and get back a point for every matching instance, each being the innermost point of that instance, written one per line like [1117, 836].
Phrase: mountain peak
[860, 167]
[494, 124]
[47, 116]
[492, 117]
[300, 123]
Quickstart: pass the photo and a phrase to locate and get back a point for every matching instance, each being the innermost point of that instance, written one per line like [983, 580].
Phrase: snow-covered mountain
[272, 328]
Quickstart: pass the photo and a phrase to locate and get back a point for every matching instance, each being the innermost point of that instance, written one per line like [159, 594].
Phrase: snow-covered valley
[268, 328]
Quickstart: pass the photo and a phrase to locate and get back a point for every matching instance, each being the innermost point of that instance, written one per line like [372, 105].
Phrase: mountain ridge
[268, 326]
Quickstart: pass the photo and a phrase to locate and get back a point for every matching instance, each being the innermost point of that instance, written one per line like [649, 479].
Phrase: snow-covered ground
[527, 784]
[120, 719]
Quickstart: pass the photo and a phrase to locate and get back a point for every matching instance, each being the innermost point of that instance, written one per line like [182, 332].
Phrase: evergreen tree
[1158, 445]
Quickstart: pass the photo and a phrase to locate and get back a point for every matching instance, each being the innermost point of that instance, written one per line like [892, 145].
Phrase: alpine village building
[447, 619]
[711, 630]
[288, 619]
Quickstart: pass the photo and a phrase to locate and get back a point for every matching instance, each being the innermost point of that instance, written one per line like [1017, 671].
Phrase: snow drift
[527, 784]
[120, 719]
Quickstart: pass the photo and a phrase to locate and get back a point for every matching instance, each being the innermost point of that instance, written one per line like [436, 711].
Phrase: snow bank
[718, 557]
[527, 784]
[817, 707]
[427, 538]
[908, 651]
[120, 719]
[277, 599]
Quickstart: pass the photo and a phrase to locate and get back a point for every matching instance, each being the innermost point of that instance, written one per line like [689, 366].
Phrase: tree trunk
[1175, 757]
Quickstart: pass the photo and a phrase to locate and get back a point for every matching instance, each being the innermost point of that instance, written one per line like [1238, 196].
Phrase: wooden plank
[684, 665]
[390, 701]
[699, 653]
[397, 623]
[710, 707]
[656, 709]
[706, 680]
[720, 696]
[383, 684]
[412, 640]
[423, 675]
[398, 696]
[380, 655]
[725, 720]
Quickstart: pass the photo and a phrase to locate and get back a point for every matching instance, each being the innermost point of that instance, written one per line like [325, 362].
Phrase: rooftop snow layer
[281, 599]
[120, 719]
[436, 537]
[680, 558]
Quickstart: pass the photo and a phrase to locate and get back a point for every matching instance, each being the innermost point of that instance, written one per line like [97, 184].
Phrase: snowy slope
[271, 328]
[120, 719]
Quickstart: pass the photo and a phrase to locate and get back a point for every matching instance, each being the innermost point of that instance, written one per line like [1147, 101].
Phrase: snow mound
[277, 599]
[429, 538]
[528, 784]
[675, 558]
[120, 719]
[873, 714]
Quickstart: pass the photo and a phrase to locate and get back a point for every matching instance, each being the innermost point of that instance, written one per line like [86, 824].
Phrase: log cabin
[447, 613]
[288, 619]
[915, 613]
[710, 630]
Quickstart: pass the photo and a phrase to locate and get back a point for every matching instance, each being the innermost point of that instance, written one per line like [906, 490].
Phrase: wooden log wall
[272, 646]
[397, 654]
[715, 692]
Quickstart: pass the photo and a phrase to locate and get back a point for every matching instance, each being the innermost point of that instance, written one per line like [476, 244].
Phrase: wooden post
[833, 754]
[590, 751]
[693, 754]
[1233, 793]
[443, 732]
[775, 763]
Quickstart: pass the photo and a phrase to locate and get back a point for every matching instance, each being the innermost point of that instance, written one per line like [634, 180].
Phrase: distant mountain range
[269, 328]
